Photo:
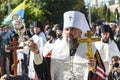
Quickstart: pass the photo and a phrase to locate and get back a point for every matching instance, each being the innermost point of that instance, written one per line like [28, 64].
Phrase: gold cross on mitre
[89, 39]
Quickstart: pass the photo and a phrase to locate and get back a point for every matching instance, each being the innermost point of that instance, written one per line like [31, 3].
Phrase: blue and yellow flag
[18, 10]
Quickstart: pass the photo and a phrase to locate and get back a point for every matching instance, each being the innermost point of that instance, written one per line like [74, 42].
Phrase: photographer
[114, 69]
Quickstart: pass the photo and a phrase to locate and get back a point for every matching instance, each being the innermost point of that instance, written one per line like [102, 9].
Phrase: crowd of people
[53, 52]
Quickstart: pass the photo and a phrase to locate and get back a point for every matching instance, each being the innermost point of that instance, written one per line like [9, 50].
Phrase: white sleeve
[25, 50]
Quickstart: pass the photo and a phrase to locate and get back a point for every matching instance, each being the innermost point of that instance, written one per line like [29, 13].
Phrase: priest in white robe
[107, 47]
[40, 43]
[68, 59]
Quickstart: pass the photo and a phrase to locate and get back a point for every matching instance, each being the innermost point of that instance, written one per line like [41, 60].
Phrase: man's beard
[105, 41]
[37, 33]
[59, 36]
[73, 44]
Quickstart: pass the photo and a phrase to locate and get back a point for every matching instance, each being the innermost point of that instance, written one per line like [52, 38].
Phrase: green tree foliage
[94, 14]
[33, 13]
[119, 3]
[79, 5]
[107, 15]
[3, 10]
[46, 11]
[116, 15]
[84, 10]
[102, 13]
[56, 8]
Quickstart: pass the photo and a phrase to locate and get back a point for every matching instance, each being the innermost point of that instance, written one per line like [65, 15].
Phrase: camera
[116, 65]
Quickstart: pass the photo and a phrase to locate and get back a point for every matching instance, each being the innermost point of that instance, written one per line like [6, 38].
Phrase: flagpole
[9, 7]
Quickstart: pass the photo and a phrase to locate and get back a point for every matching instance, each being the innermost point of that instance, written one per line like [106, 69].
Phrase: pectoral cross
[14, 47]
[89, 39]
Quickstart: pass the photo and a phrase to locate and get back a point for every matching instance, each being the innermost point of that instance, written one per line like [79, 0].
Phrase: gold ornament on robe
[89, 39]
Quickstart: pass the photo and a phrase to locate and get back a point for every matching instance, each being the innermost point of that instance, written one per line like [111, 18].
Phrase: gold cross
[70, 17]
[89, 39]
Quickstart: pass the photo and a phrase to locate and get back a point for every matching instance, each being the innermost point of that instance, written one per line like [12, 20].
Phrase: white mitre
[76, 19]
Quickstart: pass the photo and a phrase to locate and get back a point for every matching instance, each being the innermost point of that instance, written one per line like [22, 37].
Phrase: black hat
[51, 33]
[99, 22]
[38, 24]
[105, 28]
[59, 28]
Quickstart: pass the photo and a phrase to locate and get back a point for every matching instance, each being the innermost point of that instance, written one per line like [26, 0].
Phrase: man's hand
[33, 46]
[110, 67]
[92, 63]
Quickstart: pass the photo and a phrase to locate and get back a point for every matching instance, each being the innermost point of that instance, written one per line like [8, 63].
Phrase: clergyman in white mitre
[63, 65]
